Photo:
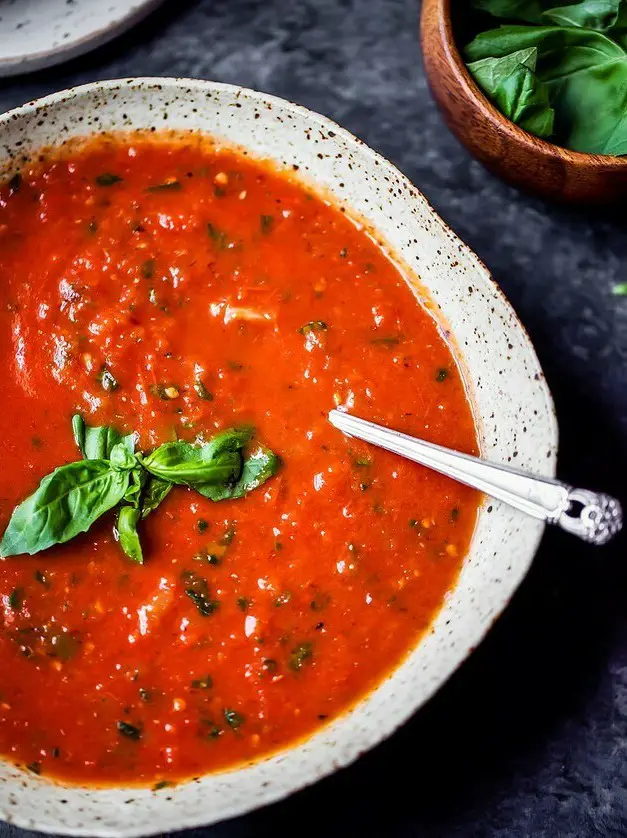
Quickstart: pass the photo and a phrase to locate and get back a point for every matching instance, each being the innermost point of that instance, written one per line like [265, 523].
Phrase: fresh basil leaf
[552, 43]
[586, 73]
[258, 467]
[186, 465]
[510, 82]
[96, 443]
[528, 10]
[232, 439]
[128, 535]
[601, 15]
[138, 479]
[67, 503]
[155, 491]
[589, 87]
[214, 462]
[121, 458]
[619, 32]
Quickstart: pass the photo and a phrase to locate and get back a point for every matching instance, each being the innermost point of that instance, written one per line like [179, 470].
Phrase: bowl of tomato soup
[210, 597]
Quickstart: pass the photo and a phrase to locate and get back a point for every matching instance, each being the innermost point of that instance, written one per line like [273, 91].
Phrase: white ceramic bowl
[512, 404]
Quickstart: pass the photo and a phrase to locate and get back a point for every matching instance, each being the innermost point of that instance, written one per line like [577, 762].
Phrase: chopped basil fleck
[313, 326]
[107, 380]
[130, 731]
[213, 731]
[233, 719]
[267, 224]
[228, 536]
[108, 179]
[282, 599]
[300, 655]
[16, 599]
[387, 340]
[148, 268]
[217, 236]
[320, 601]
[207, 557]
[441, 375]
[202, 683]
[167, 186]
[201, 391]
[41, 577]
[198, 591]
[162, 784]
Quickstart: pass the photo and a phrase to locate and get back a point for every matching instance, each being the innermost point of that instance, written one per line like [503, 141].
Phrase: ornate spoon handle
[592, 516]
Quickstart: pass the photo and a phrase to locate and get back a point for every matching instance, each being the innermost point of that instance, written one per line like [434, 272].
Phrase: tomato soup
[171, 288]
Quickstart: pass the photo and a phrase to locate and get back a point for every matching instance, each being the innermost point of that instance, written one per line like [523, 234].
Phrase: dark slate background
[530, 737]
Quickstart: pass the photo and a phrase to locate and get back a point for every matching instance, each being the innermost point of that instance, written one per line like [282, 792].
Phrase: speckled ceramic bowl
[512, 404]
[40, 33]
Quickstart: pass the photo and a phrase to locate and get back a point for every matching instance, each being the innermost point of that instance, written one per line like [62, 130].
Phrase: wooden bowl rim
[472, 90]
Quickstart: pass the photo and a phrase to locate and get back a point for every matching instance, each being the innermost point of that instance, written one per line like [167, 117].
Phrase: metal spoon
[592, 516]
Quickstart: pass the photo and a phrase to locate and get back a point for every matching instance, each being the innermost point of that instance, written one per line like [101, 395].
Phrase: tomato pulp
[171, 287]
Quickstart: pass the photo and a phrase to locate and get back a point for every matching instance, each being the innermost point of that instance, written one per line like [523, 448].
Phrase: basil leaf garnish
[216, 462]
[138, 479]
[187, 465]
[258, 467]
[128, 535]
[121, 458]
[529, 11]
[600, 15]
[96, 443]
[67, 503]
[69, 500]
[155, 491]
[511, 83]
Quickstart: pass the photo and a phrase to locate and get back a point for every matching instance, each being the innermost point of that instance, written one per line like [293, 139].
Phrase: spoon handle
[592, 516]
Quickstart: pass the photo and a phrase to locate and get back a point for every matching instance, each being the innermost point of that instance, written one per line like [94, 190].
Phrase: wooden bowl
[507, 150]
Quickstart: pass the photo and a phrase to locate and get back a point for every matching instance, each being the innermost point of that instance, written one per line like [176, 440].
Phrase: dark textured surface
[530, 737]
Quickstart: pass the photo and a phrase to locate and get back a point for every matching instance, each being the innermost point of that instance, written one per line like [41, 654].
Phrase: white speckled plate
[512, 405]
[39, 33]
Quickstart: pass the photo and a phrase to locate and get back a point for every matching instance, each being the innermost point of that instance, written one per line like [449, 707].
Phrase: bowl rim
[375, 158]
[14, 64]
[472, 91]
